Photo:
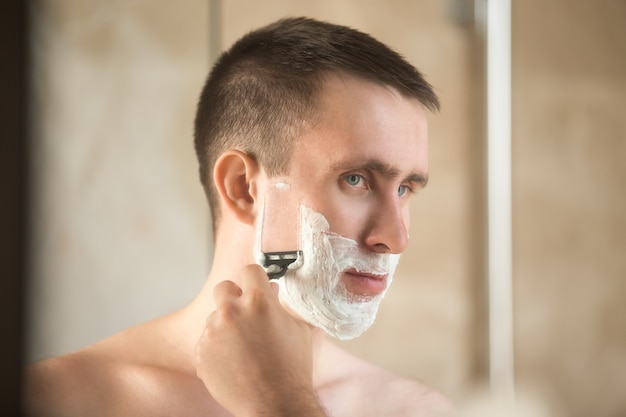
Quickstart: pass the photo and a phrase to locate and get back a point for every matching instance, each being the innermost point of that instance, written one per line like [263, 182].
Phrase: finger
[226, 290]
[275, 287]
[254, 278]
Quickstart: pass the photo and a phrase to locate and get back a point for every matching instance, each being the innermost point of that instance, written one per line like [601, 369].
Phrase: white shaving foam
[316, 292]
[281, 185]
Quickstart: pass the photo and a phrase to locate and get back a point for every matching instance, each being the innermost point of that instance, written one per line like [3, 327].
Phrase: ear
[236, 177]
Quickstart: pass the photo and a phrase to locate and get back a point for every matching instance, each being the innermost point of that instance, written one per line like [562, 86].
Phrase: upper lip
[369, 275]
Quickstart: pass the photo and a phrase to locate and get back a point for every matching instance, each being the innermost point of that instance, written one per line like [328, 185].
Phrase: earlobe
[235, 175]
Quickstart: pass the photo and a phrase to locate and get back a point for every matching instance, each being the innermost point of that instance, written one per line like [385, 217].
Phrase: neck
[189, 324]
[233, 251]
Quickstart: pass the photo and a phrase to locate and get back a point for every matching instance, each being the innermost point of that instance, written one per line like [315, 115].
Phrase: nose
[388, 231]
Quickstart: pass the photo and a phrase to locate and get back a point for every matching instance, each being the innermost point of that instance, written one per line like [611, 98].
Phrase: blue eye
[403, 190]
[354, 180]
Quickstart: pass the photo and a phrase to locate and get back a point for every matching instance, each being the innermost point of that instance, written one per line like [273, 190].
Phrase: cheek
[345, 216]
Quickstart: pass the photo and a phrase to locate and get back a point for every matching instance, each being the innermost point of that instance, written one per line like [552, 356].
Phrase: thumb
[254, 278]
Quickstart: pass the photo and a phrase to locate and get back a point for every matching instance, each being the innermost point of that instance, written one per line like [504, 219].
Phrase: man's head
[264, 92]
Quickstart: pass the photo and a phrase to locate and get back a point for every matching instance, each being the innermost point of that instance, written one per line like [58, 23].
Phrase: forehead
[361, 120]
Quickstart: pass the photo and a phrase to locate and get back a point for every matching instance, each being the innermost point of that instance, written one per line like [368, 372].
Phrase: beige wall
[121, 227]
[569, 126]
[122, 233]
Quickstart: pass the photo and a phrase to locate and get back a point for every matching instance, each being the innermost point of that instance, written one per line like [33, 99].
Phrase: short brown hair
[261, 93]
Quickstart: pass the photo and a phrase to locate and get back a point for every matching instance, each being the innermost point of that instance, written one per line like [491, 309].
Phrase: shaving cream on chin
[316, 292]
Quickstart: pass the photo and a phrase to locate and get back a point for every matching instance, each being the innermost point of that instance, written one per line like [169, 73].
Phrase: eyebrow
[385, 170]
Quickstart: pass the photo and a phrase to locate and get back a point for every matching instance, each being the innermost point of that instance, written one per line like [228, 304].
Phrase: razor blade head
[276, 264]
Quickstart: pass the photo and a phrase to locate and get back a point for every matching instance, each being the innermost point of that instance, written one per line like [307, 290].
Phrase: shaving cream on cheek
[315, 291]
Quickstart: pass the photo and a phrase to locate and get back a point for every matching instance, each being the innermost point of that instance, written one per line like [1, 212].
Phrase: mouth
[363, 284]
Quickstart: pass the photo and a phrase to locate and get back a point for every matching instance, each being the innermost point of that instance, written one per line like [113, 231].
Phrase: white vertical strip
[499, 198]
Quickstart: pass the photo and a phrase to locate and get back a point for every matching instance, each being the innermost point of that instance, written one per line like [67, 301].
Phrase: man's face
[361, 163]
[357, 168]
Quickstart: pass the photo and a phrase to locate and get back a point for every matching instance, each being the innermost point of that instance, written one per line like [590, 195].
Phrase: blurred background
[120, 229]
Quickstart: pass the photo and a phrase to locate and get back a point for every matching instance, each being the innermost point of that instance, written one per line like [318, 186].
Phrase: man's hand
[254, 357]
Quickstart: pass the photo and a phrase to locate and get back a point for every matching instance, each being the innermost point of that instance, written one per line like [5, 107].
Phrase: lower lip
[364, 285]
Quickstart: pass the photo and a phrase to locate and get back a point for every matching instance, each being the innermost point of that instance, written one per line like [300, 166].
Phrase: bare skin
[235, 350]
[114, 378]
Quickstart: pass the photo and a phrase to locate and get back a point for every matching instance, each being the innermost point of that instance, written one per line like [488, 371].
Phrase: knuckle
[226, 313]
[256, 300]
[253, 270]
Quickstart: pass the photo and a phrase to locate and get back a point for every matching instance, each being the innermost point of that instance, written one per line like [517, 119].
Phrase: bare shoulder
[93, 383]
[68, 385]
[373, 391]
[118, 377]
[407, 397]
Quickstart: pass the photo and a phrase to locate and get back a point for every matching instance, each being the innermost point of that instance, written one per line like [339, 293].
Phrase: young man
[327, 126]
